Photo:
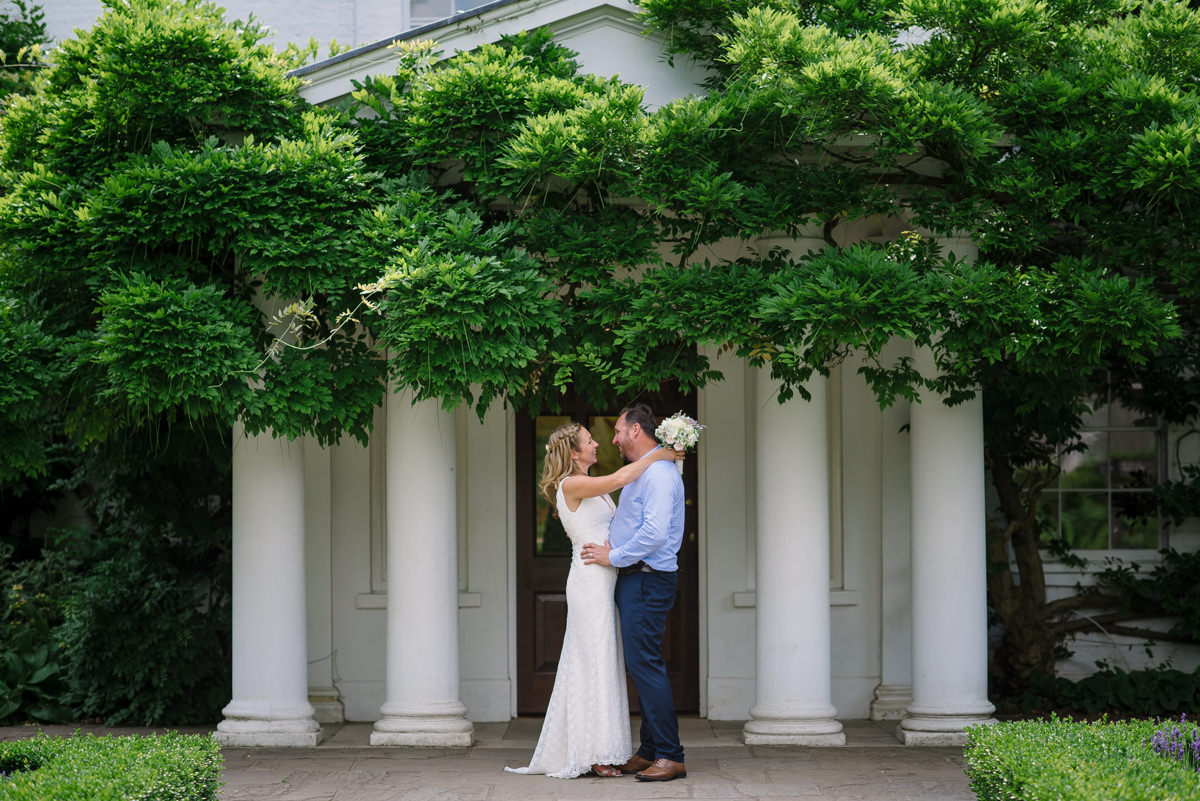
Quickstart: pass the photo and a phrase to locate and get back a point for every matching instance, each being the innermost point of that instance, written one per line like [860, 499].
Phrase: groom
[643, 541]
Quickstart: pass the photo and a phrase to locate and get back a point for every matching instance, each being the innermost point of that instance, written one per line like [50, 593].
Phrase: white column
[270, 679]
[949, 589]
[422, 706]
[793, 686]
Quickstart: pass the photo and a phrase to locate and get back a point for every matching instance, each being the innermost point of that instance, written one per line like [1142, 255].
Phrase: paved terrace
[872, 766]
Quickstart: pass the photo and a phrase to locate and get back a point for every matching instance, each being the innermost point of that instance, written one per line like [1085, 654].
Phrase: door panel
[543, 560]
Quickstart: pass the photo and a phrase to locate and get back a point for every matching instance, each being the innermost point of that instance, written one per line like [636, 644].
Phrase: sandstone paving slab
[772, 790]
[873, 766]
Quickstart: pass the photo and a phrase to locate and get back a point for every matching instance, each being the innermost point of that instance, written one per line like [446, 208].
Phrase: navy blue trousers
[643, 601]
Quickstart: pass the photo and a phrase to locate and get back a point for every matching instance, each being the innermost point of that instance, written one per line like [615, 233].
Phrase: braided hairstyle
[558, 466]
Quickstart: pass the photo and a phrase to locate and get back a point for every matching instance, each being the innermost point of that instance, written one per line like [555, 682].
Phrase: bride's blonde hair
[558, 466]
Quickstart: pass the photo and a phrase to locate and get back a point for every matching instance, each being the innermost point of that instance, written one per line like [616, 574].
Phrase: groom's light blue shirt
[648, 525]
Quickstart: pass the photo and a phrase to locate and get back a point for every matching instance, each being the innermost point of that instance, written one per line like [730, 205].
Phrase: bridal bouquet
[680, 432]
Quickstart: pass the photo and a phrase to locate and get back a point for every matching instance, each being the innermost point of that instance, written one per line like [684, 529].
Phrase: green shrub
[168, 767]
[32, 685]
[1059, 759]
[1158, 692]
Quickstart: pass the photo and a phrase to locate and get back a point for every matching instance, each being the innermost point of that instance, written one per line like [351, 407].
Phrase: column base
[947, 729]
[424, 729]
[891, 701]
[327, 705]
[793, 731]
[250, 724]
[297, 733]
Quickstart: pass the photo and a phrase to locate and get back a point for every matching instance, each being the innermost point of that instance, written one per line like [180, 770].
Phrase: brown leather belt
[639, 567]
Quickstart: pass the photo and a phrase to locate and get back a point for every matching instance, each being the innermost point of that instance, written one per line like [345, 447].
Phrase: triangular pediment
[607, 35]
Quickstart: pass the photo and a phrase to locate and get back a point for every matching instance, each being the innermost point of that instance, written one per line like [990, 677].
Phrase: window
[1104, 496]
[427, 11]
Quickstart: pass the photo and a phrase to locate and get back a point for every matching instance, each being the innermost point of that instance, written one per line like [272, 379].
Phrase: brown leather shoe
[635, 764]
[663, 770]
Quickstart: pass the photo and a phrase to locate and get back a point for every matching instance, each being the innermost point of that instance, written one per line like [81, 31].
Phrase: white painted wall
[357, 616]
[350, 22]
[727, 554]
[487, 550]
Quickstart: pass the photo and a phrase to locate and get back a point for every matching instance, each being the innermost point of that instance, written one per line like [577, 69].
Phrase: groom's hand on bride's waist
[594, 554]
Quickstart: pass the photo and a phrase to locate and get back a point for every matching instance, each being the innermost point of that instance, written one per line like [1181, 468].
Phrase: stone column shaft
[793, 684]
[949, 589]
[422, 706]
[270, 677]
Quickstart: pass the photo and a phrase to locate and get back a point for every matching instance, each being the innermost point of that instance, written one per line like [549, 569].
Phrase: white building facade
[836, 549]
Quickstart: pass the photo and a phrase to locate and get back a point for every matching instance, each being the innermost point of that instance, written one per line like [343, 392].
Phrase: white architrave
[422, 704]
[270, 650]
[793, 683]
[949, 582]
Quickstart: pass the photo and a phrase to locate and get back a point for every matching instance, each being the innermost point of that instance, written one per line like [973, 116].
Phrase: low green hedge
[1039, 760]
[160, 767]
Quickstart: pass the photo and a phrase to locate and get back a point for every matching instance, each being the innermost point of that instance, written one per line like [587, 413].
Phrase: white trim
[702, 556]
[510, 523]
[333, 78]
[833, 424]
[749, 600]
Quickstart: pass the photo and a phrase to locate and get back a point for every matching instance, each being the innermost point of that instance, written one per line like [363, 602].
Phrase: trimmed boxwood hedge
[1064, 760]
[158, 767]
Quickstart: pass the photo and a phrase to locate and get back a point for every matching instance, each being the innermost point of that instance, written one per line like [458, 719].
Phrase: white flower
[679, 431]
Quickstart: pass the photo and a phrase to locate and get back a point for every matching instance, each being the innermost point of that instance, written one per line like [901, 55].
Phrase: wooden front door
[544, 558]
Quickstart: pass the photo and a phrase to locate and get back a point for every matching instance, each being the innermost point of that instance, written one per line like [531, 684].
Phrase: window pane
[1126, 418]
[435, 9]
[551, 538]
[1099, 416]
[1085, 519]
[1087, 469]
[1047, 516]
[1135, 520]
[608, 458]
[1134, 456]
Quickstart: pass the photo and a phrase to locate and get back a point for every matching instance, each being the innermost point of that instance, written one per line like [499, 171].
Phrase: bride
[587, 721]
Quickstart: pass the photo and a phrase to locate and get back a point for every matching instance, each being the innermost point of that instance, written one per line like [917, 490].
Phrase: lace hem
[575, 771]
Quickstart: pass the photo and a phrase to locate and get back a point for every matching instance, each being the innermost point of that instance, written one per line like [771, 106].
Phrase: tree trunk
[1017, 599]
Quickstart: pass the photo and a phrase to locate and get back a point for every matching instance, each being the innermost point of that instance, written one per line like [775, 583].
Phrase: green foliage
[32, 683]
[124, 602]
[1069, 761]
[1168, 589]
[84, 768]
[34, 368]
[22, 34]
[1157, 691]
[1059, 138]
[145, 594]
[502, 310]
[149, 71]
[1180, 500]
[149, 229]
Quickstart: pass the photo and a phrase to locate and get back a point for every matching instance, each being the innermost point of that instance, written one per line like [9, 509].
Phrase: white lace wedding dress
[587, 721]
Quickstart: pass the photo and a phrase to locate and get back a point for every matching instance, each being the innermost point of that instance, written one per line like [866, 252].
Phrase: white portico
[839, 547]
[427, 658]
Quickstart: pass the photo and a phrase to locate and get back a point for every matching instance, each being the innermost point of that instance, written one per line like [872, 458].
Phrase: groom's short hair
[640, 414]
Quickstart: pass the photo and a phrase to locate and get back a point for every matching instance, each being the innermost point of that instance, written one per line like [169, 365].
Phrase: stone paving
[873, 766]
